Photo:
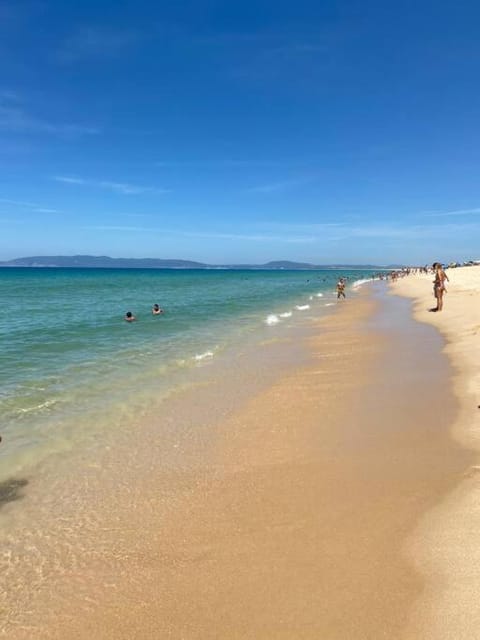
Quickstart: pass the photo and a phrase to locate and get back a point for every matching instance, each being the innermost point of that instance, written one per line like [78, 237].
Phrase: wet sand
[293, 523]
[445, 546]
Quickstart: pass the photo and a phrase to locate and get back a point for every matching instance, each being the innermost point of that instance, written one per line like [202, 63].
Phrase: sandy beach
[293, 522]
[233, 403]
[445, 546]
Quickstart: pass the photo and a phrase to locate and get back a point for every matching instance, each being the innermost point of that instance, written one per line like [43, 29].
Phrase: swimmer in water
[156, 311]
[129, 317]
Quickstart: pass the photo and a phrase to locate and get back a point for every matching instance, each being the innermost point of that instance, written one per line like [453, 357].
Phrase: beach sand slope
[446, 545]
[289, 523]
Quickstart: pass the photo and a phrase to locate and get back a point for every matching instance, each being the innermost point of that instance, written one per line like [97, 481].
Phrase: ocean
[73, 369]
[101, 417]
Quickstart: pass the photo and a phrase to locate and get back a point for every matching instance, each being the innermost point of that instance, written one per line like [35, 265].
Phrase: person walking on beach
[439, 285]
[341, 289]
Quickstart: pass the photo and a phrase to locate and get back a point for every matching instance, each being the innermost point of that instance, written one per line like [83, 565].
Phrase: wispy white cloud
[385, 231]
[459, 212]
[214, 235]
[372, 229]
[410, 232]
[95, 42]
[69, 180]
[32, 206]
[128, 189]
[118, 187]
[250, 237]
[319, 235]
[18, 203]
[14, 118]
[8, 94]
[312, 228]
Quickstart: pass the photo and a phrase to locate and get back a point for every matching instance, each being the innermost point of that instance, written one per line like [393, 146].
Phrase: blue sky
[240, 131]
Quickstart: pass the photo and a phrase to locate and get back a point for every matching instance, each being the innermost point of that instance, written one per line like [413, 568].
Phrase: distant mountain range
[105, 262]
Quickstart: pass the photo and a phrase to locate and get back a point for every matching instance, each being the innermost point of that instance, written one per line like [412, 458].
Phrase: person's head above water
[129, 317]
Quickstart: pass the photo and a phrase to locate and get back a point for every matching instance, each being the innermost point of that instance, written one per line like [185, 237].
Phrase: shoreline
[52, 514]
[96, 373]
[294, 515]
[444, 547]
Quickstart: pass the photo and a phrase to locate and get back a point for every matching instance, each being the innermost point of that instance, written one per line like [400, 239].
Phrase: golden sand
[446, 545]
[293, 524]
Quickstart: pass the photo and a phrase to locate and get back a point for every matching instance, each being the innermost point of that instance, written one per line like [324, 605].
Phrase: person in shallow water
[341, 289]
[156, 311]
[129, 317]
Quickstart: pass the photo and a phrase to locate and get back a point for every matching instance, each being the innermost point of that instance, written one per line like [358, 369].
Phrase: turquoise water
[71, 366]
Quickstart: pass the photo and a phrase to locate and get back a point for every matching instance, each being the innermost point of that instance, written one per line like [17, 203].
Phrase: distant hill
[101, 262]
[105, 262]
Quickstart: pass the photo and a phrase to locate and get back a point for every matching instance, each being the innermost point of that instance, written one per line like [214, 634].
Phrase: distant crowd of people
[437, 270]
[439, 279]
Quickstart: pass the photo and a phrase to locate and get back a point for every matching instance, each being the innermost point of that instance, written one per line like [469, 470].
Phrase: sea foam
[302, 307]
[358, 283]
[272, 319]
[202, 356]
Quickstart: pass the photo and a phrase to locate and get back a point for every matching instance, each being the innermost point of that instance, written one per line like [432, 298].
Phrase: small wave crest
[302, 307]
[203, 356]
[272, 319]
[286, 314]
[359, 283]
[319, 295]
[43, 405]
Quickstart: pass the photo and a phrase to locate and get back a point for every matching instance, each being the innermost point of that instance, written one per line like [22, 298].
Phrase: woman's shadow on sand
[11, 490]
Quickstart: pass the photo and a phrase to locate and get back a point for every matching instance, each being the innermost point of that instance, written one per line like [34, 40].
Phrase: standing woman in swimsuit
[439, 284]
